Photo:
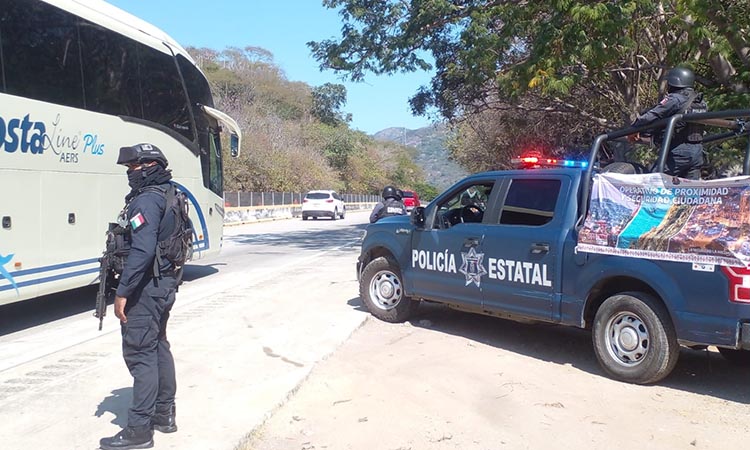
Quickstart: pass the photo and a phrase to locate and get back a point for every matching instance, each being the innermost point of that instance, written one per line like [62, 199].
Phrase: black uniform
[151, 296]
[388, 207]
[685, 157]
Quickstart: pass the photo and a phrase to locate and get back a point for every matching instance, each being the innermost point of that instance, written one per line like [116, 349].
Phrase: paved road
[247, 328]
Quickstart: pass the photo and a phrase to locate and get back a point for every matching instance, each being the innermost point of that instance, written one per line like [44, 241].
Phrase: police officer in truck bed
[685, 157]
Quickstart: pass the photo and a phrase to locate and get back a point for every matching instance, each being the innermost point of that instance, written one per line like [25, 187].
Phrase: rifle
[107, 274]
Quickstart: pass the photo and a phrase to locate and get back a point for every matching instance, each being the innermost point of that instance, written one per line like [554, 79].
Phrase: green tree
[327, 101]
[296, 137]
[590, 64]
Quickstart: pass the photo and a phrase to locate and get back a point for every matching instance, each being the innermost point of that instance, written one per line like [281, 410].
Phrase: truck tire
[382, 290]
[739, 358]
[634, 339]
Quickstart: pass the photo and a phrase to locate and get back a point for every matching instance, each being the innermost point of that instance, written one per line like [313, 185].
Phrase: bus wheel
[382, 291]
[737, 357]
[634, 339]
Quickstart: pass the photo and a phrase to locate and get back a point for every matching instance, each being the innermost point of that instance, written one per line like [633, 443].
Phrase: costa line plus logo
[22, 135]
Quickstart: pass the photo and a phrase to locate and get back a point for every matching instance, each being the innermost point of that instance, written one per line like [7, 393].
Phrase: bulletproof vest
[690, 132]
[175, 235]
[392, 207]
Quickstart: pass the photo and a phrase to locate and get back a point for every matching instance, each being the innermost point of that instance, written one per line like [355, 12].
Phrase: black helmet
[390, 192]
[399, 194]
[680, 77]
[141, 153]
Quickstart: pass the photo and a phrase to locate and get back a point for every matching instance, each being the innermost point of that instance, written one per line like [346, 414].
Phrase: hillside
[431, 154]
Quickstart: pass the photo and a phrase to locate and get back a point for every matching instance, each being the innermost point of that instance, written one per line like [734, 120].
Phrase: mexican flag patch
[137, 221]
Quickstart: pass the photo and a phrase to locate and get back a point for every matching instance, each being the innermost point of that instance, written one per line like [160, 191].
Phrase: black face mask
[146, 176]
[136, 178]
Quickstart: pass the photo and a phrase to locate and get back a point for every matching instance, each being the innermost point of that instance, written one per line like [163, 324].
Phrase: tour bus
[79, 80]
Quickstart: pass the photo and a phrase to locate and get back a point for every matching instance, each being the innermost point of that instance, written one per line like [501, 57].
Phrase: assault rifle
[107, 274]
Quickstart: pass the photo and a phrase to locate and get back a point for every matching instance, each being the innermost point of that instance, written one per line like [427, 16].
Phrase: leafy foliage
[509, 73]
[296, 137]
[327, 101]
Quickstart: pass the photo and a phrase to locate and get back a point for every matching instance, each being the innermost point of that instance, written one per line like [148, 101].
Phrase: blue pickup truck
[503, 243]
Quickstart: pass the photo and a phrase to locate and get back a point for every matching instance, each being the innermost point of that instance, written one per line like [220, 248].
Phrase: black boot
[165, 421]
[129, 438]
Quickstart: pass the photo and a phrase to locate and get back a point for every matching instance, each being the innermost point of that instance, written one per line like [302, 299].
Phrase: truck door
[522, 247]
[446, 256]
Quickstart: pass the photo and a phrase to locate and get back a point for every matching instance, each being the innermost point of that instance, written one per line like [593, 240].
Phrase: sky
[284, 27]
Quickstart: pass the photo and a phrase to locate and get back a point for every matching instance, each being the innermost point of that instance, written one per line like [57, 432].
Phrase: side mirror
[417, 217]
[234, 145]
[235, 135]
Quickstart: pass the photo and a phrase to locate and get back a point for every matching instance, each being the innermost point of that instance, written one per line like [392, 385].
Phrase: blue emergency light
[531, 162]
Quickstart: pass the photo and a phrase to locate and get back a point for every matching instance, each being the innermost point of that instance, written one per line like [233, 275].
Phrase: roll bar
[736, 120]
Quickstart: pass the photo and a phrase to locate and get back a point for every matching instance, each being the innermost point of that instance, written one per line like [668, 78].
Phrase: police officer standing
[685, 157]
[392, 205]
[144, 298]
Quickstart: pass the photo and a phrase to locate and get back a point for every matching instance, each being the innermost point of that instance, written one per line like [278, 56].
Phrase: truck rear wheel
[382, 290]
[737, 357]
[634, 339]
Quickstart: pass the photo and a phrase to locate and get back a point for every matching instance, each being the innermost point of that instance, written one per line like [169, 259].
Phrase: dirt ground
[452, 380]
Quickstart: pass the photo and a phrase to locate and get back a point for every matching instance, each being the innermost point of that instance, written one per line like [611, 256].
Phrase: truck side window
[530, 202]
[465, 206]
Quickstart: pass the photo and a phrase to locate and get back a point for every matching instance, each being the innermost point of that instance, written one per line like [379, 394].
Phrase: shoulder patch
[664, 100]
[137, 221]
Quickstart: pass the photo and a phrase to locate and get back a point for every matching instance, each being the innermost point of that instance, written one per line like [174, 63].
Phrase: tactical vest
[175, 247]
[692, 132]
[392, 207]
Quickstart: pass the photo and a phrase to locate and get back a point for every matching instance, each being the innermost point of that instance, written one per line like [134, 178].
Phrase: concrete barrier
[250, 214]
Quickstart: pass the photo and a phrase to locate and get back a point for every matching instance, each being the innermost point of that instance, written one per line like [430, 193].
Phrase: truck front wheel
[382, 290]
[634, 339]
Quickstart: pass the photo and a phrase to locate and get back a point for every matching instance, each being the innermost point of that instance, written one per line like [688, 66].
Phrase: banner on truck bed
[650, 216]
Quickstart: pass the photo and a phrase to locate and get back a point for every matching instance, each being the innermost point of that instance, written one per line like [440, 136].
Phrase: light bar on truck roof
[535, 162]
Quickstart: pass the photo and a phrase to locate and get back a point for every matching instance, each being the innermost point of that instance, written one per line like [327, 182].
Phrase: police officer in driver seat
[472, 206]
[145, 295]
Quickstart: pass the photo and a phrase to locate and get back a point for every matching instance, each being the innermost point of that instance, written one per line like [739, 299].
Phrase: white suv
[323, 204]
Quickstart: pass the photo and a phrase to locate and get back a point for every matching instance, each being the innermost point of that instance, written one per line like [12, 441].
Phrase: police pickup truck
[504, 243]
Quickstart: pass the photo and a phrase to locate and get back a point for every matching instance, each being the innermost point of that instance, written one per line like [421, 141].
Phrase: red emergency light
[531, 162]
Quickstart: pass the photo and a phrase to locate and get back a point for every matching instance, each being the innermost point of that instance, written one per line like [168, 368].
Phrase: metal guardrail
[249, 207]
[233, 199]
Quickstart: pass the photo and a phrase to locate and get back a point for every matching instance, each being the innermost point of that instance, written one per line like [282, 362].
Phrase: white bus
[79, 80]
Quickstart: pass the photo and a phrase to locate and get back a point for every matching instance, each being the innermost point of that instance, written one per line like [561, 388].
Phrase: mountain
[431, 153]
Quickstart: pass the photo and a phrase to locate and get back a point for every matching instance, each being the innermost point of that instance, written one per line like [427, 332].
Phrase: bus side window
[110, 72]
[40, 53]
[2, 68]
[164, 99]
